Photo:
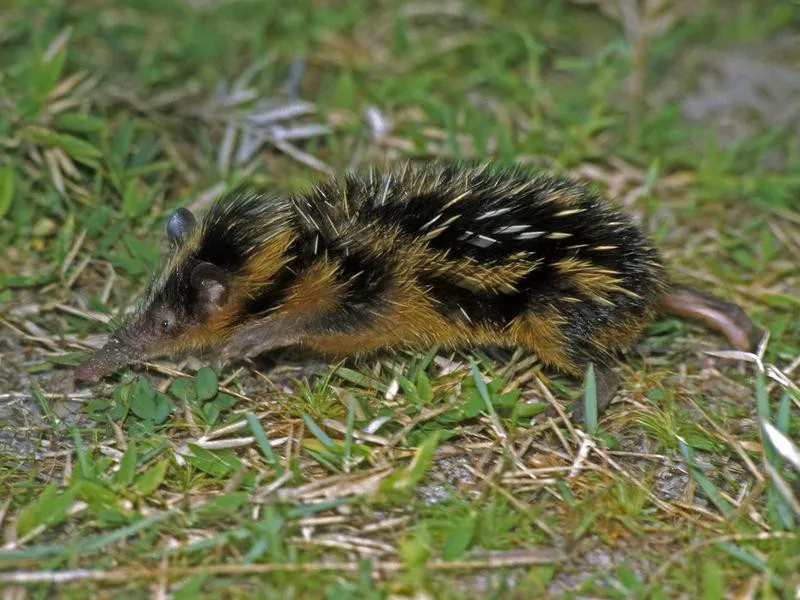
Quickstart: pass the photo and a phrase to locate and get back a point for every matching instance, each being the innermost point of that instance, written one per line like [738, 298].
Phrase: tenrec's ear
[211, 282]
[180, 226]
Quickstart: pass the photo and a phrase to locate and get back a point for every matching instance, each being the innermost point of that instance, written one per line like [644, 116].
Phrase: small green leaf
[146, 253]
[762, 401]
[317, 432]
[149, 481]
[460, 536]
[210, 413]
[75, 147]
[85, 468]
[162, 408]
[344, 93]
[127, 466]
[530, 409]
[273, 526]
[747, 557]
[415, 549]
[7, 186]
[508, 400]
[713, 586]
[29, 515]
[566, 494]
[135, 199]
[348, 435]
[50, 508]
[123, 140]
[305, 510]
[400, 43]
[585, 524]
[786, 301]
[222, 506]
[95, 494]
[361, 379]
[143, 402]
[783, 413]
[590, 402]
[65, 237]
[224, 401]
[191, 587]
[110, 234]
[628, 578]
[480, 385]
[473, 404]
[79, 122]
[699, 440]
[183, 389]
[54, 508]
[708, 487]
[405, 480]
[745, 258]
[262, 440]
[44, 75]
[206, 384]
[130, 266]
[327, 459]
[218, 463]
[424, 389]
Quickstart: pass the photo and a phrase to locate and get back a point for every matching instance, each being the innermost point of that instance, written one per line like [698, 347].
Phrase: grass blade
[263, 441]
[590, 402]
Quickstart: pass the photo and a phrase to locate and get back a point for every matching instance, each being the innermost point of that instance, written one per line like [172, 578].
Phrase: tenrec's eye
[165, 324]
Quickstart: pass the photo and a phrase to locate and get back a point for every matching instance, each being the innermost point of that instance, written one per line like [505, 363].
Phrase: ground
[430, 476]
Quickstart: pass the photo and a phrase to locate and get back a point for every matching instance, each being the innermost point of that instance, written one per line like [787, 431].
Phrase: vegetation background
[421, 476]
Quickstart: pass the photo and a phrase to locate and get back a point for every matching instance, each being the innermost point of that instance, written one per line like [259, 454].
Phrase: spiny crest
[235, 227]
[238, 225]
[475, 211]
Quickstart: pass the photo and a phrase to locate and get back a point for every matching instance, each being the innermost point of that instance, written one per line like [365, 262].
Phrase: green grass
[433, 474]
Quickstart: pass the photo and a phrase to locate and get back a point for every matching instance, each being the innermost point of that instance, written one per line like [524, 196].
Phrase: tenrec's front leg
[606, 384]
[256, 340]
